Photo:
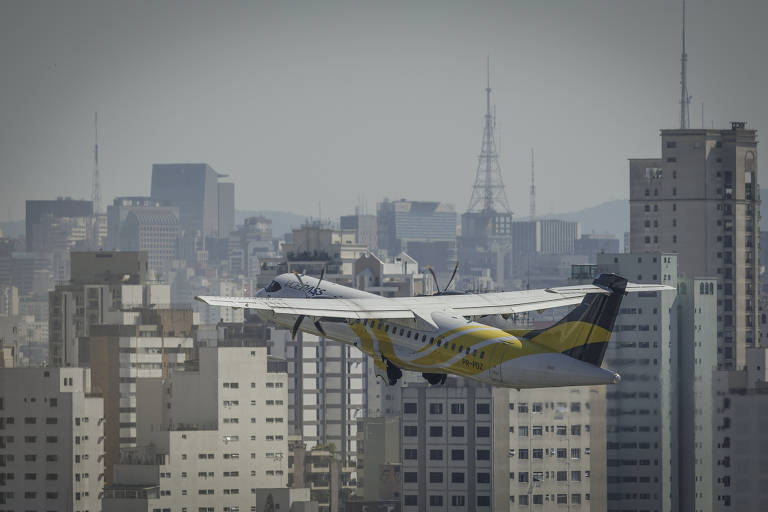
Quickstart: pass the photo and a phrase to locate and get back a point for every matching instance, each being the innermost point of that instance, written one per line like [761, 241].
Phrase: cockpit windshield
[272, 287]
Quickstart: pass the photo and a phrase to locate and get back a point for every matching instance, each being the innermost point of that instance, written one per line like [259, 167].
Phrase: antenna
[488, 191]
[96, 187]
[532, 206]
[685, 99]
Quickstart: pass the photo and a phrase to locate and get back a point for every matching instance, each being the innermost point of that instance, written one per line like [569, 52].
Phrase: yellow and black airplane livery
[437, 335]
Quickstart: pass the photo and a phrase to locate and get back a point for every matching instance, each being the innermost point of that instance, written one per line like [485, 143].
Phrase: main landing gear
[435, 378]
[393, 373]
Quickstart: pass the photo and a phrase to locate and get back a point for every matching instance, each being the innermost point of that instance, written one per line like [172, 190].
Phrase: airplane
[439, 334]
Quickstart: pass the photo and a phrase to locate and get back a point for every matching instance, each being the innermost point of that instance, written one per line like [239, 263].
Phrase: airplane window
[365, 322]
[482, 355]
[272, 287]
[467, 350]
[474, 353]
[402, 331]
[409, 334]
[386, 328]
[439, 342]
[431, 340]
[453, 347]
[379, 325]
[424, 338]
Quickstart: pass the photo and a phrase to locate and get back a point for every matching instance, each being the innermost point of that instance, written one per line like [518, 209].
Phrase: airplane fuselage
[450, 344]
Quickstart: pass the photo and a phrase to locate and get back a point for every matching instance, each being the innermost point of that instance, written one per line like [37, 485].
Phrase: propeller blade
[437, 285]
[322, 275]
[296, 326]
[320, 328]
[452, 276]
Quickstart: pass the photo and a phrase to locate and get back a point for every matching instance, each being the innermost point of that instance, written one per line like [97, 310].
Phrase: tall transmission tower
[488, 193]
[532, 206]
[95, 185]
[685, 99]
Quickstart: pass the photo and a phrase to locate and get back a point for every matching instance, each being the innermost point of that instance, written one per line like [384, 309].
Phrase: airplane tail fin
[584, 332]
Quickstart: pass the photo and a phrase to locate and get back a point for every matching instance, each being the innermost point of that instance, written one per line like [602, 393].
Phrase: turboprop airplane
[439, 334]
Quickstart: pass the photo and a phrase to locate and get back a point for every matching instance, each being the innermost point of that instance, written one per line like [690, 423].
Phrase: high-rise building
[42, 219]
[118, 211]
[194, 190]
[326, 394]
[144, 344]
[226, 214]
[425, 230]
[100, 282]
[51, 440]
[449, 450]
[642, 412]
[700, 200]
[551, 439]
[697, 356]
[154, 231]
[365, 228]
[210, 435]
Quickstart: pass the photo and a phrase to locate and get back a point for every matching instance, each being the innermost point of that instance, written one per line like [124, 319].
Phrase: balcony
[138, 492]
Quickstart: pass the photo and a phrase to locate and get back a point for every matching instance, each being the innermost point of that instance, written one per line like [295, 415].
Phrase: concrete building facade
[51, 440]
[700, 200]
[642, 411]
[209, 436]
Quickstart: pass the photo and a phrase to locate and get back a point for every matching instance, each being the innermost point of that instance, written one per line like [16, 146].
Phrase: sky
[319, 107]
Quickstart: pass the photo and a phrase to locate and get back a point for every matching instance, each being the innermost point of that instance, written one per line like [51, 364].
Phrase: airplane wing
[470, 304]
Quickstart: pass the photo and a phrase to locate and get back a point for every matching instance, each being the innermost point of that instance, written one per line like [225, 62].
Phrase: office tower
[210, 435]
[51, 440]
[226, 211]
[193, 189]
[425, 230]
[326, 394]
[46, 217]
[118, 211]
[365, 228]
[550, 443]
[642, 411]
[700, 200]
[100, 282]
[154, 231]
[144, 344]
[449, 450]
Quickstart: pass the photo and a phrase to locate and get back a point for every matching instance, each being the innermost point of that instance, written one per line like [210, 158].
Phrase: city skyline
[288, 80]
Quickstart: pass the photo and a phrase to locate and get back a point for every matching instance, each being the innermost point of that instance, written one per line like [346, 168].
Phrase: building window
[435, 408]
[410, 500]
[435, 454]
[409, 408]
[410, 477]
[457, 478]
[435, 477]
[457, 408]
[436, 431]
[483, 478]
[410, 454]
[410, 431]
[456, 454]
[483, 409]
[457, 431]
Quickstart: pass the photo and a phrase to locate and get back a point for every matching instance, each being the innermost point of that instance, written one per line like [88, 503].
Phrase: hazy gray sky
[301, 102]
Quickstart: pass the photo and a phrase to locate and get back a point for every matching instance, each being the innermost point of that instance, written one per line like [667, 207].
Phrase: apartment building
[209, 436]
[51, 440]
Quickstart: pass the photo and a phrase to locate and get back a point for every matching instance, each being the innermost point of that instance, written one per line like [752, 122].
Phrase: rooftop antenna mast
[685, 99]
[96, 187]
[532, 210]
[488, 193]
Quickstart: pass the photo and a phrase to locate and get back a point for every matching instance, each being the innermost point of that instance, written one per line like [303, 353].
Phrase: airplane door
[496, 358]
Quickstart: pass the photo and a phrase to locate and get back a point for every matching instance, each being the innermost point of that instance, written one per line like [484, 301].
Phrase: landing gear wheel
[393, 373]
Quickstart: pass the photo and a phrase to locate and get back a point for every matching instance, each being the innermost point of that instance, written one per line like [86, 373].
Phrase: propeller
[300, 318]
[437, 285]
